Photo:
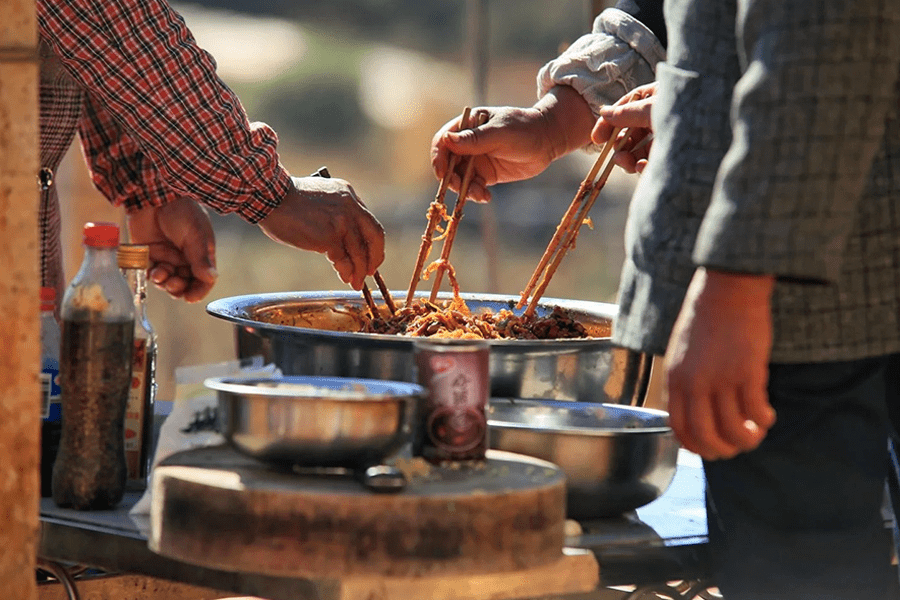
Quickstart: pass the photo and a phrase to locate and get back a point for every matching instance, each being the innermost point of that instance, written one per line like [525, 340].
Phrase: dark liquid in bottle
[95, 376]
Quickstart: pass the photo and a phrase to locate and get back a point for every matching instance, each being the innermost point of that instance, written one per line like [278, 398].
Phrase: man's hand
[716, 365]
[325, 215]
[515, 143]
[182, 247]
[632, 111]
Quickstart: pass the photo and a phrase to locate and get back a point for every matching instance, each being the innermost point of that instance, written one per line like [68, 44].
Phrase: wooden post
[19, 305]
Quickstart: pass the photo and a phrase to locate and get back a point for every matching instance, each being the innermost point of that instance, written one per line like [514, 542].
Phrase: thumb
[467, 141]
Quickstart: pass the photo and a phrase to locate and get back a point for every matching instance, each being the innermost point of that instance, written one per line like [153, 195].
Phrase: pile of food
[453, 319]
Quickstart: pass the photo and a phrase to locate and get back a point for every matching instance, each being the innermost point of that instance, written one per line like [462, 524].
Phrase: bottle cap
[101, 235]
[134, 256]
[48, 298]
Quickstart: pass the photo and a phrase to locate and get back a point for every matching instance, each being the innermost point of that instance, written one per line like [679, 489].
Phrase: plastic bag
[192, 421]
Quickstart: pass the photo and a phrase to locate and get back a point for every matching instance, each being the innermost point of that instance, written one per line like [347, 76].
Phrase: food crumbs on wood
[414, 467]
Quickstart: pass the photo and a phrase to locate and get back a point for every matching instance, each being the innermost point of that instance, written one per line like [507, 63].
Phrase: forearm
[569, 119]
[140, 63]
[120, 170]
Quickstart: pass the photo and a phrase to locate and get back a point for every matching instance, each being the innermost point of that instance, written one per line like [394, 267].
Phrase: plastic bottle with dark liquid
[95, 372]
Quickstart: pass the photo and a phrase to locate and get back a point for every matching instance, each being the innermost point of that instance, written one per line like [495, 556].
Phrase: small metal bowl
[316, 421]
[616, 458]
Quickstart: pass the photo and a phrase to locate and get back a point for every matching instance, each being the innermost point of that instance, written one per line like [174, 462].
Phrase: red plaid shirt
[157, 121]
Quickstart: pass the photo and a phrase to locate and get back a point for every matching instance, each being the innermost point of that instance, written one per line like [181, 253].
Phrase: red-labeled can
[452, 425]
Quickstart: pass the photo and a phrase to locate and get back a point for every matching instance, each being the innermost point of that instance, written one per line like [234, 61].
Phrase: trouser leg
[800, 517]
[893, 479]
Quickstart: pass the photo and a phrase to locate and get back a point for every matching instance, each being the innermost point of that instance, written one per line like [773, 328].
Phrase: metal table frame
[662, 542]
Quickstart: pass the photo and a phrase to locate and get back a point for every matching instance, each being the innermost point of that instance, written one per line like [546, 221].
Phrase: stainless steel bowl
[616, 458]
[316, 421]
[315, 333]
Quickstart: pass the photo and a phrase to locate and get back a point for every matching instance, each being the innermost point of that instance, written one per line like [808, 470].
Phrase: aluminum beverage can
[452, 424]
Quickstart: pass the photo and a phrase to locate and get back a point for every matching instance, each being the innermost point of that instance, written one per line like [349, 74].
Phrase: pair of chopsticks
[382, 287]
[567, 230]
[370, 301]
[435, 212]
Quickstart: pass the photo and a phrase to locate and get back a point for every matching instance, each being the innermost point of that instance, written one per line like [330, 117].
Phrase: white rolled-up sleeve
[620, 54]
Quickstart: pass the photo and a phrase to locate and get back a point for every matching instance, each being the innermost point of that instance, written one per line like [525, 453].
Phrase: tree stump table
[214, 507]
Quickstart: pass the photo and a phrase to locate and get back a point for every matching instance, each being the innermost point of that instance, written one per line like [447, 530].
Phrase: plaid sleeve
[119, 168]
[140, 63]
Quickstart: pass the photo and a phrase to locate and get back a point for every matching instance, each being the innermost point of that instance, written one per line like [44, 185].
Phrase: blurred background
[361, 86]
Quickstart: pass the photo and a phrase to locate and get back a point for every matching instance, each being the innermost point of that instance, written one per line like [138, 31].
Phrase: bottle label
[134, 411]
[50, 410]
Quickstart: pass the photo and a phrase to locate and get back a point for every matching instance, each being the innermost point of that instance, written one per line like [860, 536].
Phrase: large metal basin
[616, 458]
[315, 333]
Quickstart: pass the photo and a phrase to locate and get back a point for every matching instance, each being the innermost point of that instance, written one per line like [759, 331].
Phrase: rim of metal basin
[315, 387]
[537, 415]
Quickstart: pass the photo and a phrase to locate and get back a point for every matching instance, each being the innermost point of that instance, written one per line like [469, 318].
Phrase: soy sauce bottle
[134, 260]
[95, 373]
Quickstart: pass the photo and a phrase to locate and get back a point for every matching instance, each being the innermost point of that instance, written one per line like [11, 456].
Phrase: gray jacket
[777, 151]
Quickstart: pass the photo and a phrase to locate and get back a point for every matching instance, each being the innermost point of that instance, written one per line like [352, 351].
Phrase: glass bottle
[50, 411]
[134, 260]
[95, 374]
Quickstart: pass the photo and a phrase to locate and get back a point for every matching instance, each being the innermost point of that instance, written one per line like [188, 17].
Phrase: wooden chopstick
[565, 223]
[581, 206]
[434, 216]
[370, 301]
[453, 224]
[385, 293]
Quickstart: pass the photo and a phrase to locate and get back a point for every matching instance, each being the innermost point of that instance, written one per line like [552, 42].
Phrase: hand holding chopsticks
[567, 231]
[370, 301]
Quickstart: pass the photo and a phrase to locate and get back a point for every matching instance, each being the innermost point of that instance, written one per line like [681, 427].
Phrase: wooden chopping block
[217, 508]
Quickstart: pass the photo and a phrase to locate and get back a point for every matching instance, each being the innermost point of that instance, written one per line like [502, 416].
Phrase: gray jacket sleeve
[619, 55]
[808, 115]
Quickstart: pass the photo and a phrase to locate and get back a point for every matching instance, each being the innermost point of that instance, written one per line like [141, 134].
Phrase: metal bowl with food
[316, 421]
[318, 333]
[616, 458]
